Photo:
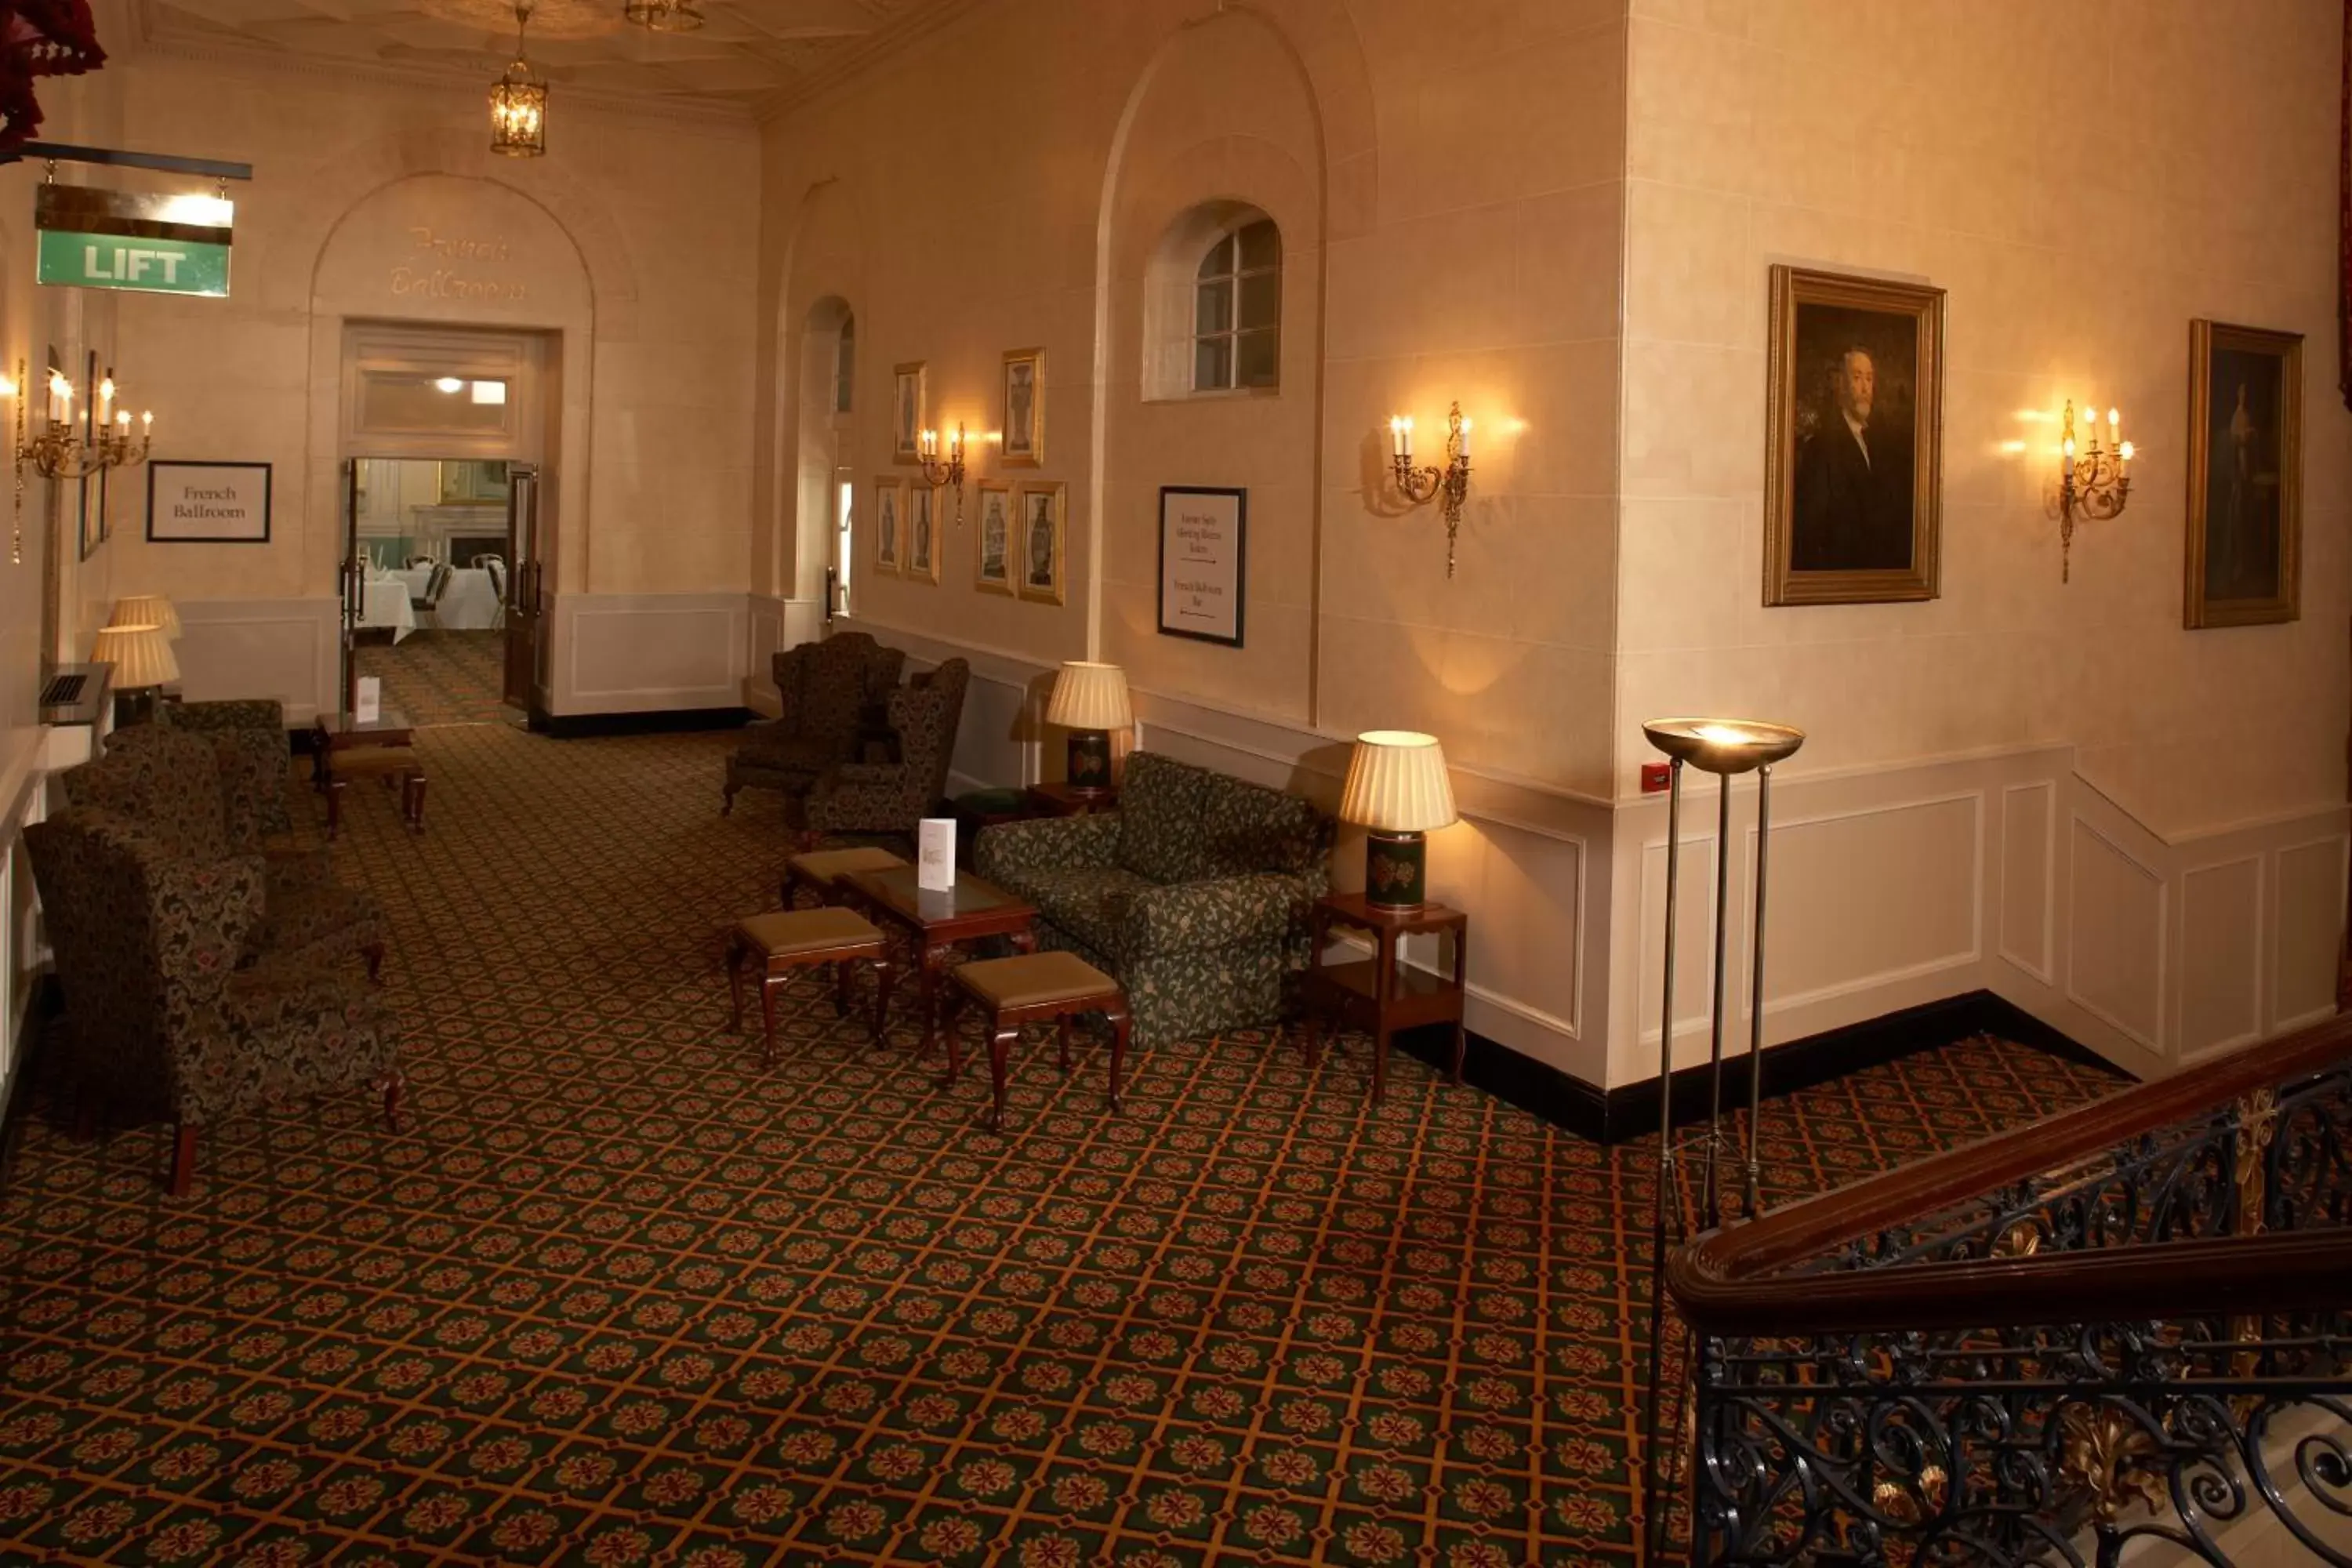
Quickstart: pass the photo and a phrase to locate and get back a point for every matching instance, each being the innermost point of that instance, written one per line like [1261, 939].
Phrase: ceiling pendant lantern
[665, 16]
[519, 102]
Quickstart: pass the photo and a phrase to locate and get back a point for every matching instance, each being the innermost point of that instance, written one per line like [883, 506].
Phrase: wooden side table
[1061, 800]
[1381, 994]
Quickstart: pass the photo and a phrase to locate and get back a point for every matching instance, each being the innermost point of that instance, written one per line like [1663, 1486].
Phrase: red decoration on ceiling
[37, 38]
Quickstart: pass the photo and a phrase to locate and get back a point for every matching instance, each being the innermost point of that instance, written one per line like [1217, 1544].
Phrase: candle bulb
[105, 399]
[1403, 430]
[147, 421]
[1462, 446]
[2066, 464]
[2123, 459]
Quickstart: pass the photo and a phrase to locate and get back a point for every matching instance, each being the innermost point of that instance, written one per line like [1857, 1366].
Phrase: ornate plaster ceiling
[754, 55]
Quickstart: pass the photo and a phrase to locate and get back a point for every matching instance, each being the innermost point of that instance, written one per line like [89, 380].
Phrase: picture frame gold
[995, 522]
[1852, 506]
[910, 410]
[890, 524]
[2242, 564]
[922, 545]
[1021, 395]
[1042, 509]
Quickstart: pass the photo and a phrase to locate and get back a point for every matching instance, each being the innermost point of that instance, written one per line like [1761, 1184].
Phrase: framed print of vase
[1024, 409]
[909, 406]
[922, 535]
[993, 540]
[1038, 550]
[1853, 481]
[889, 507]
[2244, 557]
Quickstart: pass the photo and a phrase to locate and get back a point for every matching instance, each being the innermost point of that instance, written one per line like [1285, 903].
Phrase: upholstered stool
[820, 870]
[787, 940]
[392, 765]
[1029, 988]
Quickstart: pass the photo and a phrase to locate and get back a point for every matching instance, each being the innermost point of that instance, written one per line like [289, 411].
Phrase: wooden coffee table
[332, 733]
[937, 921]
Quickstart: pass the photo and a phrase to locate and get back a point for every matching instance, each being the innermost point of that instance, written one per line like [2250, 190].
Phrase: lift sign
[109, 239]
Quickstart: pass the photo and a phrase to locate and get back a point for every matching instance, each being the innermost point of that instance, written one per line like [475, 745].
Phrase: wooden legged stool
[788, 940]
[1029, 988]
[392, 765]
[820, 870]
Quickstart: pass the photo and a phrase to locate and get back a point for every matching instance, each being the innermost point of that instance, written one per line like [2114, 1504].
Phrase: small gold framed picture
[889, 508]
[1024, 409]
[922, 534]
[2245, 477]
[910, 407]
[992, 539]
[1040, 559]
[1853, 481]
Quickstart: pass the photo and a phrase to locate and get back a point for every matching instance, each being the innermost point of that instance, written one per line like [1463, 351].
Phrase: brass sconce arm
[2093, 482]
[938, 475]
[1448, 485]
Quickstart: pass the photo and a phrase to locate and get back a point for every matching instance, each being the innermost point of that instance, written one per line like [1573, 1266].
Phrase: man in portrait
[1851, 506]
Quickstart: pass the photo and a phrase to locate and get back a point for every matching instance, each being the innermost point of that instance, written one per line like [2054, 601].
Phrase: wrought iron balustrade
[2130, 1324]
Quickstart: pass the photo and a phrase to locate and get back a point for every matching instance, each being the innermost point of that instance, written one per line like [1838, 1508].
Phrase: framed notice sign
[208, 503]
[1202, 553]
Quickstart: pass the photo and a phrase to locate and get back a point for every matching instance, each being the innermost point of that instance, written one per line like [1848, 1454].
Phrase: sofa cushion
[1246, 828]
[1160, 818]
[1089, 902]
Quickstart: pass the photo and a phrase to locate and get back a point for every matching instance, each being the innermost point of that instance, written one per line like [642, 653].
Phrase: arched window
[845, 365]
[1238, 310]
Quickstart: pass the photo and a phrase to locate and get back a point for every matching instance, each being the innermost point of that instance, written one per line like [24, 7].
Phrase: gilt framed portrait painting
[1854, 427]
[2244, 555]
[993, 540]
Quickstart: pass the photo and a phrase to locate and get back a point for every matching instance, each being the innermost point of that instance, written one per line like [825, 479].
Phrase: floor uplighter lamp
[142, 662]
[1090, 701]
[1397, 792]
[1725, 748]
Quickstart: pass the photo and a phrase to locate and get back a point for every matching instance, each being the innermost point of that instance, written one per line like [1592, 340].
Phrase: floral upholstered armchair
[833, 693]
[161, 1002]
[894, 797]
[207, 794]
[1194, 892]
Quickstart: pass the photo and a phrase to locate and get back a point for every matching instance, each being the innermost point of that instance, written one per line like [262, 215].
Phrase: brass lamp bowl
[1723, 746]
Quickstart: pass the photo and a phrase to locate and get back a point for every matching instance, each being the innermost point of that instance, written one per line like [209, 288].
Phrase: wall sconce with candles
[2093, 482]
[1448, 485]
[937, 474]
[61, 451]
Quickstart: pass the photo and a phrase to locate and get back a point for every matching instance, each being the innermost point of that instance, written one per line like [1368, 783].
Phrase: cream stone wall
[631, 246]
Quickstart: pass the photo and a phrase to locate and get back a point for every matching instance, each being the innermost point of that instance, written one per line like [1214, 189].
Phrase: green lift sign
[120, 239]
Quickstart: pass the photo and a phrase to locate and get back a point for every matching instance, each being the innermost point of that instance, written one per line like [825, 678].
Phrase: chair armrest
[1261, 908]
[1004, 852]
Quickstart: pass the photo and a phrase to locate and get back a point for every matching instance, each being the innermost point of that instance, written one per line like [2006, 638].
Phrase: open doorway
[432, 537]
[446, 433]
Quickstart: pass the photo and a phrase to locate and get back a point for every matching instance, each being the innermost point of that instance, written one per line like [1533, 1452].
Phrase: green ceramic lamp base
[1090, 759]
[1396, 872]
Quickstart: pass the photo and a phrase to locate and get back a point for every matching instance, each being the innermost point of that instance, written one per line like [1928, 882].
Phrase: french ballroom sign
[166, 243]
[208, 503]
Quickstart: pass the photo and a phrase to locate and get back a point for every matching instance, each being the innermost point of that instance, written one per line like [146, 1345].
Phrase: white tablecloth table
[470, 604]
[384, 603]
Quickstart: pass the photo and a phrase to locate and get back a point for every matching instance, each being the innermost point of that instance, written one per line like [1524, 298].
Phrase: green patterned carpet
[619, 1296]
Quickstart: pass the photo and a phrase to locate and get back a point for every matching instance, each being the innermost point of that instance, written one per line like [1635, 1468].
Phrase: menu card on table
[935, 853]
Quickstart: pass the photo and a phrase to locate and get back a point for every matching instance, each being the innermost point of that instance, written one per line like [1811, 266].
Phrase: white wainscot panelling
[2308, 917]
[290, 649]
[2114, 964]
[1863, 899]
[2221, 955]
[628, 653]
[1527, 970]
[2028, 876]
[1694, 944]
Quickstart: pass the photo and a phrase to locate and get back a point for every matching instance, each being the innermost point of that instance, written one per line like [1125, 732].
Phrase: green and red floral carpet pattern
[442, 678]
[619, 1296]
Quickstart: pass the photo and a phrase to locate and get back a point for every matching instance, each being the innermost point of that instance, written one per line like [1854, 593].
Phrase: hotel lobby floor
[618, 1295]
[441, 678]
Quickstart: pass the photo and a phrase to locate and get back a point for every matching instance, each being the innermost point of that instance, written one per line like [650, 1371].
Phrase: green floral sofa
[1194, 893]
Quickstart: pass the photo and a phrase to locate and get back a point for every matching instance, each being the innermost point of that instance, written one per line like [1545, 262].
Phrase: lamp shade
[1397, 784]
[146, 610]
[1090, 696]
[142, 656]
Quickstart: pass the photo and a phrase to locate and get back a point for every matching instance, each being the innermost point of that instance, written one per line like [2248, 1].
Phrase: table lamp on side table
[147, 610]
[142, 662]
[1090, 701]
[1397, 791]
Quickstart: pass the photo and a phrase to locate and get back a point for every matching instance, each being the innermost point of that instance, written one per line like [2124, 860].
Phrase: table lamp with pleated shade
[1090, 701]
[142, 662]
[147, 610]
[1397, 791]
